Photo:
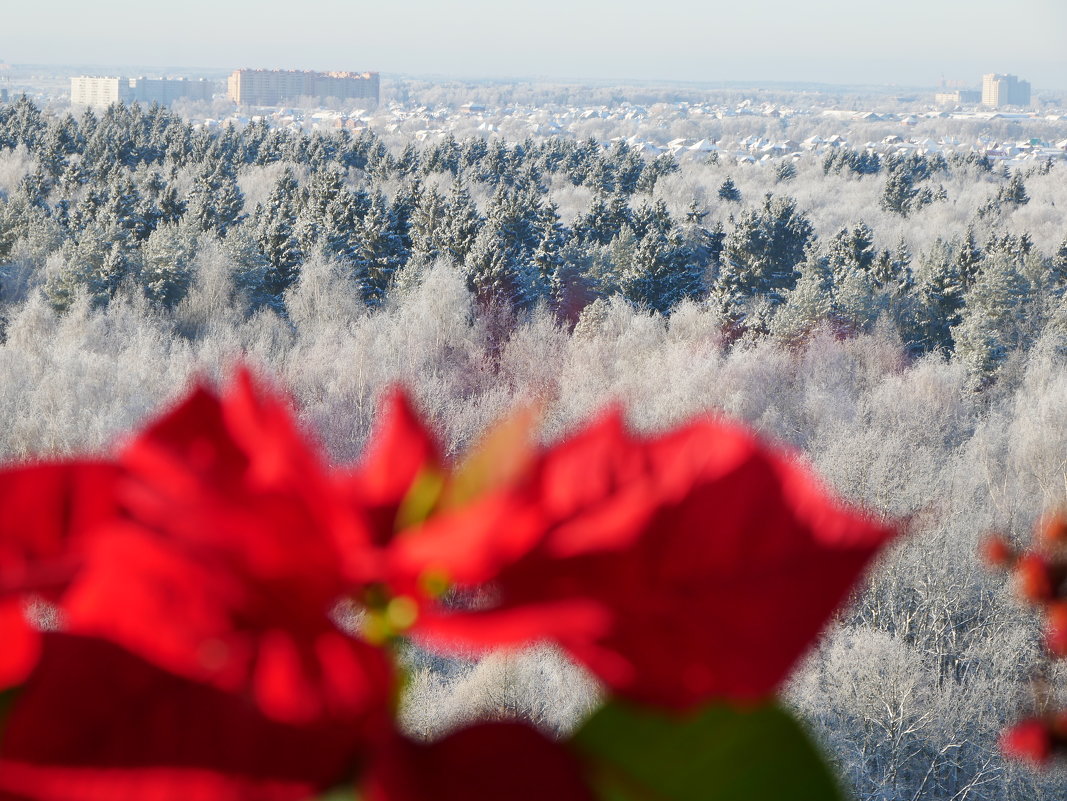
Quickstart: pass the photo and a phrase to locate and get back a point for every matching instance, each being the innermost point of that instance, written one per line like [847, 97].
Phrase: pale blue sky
[838, 41]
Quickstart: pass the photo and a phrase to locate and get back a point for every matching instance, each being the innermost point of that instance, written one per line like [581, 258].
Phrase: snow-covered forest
[900, 322]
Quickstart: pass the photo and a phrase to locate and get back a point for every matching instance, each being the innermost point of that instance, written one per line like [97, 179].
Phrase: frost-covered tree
[729, 192]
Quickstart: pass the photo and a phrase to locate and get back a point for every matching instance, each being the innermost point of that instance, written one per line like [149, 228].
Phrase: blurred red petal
[19, 644]
[399, 448]
[232, 559]
[97, 723]
[48, 512]
[718, 560]
[486, 761]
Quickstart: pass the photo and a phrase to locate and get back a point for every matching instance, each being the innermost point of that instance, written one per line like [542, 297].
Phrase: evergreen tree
[784, 171]
[500, 267]
[1058, 267]
[428, 227]
[1014, 192]
[807, 304]
[993, 320]
[167, 264]
[762, 251]
[663, 164]
[729, 192]
[379, 251]
[851, 250]
[939, 296]
[276, 236]
[463, 223]
[899, 193]
[648, 282]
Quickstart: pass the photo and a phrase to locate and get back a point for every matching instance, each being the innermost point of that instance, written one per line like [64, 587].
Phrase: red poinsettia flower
[484, 761]
[96, 722]
[49, 514]
[229, 565]
[692, 565]
[401, 474]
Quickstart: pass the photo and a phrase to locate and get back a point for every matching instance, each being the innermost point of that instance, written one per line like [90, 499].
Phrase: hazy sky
[893, 42]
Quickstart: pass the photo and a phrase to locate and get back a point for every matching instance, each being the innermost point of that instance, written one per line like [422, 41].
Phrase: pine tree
[784, 171]
[899, 195]
[807, 304]
[167, 264]
[993, 320]
[200, 203]
[229, 202]
[463, 223]
[648, 282]
[428, 226]
[1059, 268]
[851, 250]
[379, 251]
[276, 236]
[729, 192]
[500, 267]
[763, 249]
[855, 305]
[552, 238]
[968, 259]
[940, 298]
[1014, 192]
[115, 269]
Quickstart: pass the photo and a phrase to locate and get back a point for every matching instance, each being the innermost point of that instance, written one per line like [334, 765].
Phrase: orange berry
[1052, 529]
[996, 552]
[1030, 741]
[1056, 628]
[1035, 578]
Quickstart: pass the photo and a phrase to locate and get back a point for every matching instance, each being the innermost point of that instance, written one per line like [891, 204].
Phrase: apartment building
[1004, 90]
[87, 90]
[274, 87]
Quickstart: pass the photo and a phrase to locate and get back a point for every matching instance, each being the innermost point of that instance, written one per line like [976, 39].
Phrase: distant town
[685, 129]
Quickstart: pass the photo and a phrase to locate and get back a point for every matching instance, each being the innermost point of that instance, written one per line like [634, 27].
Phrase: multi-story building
[1004, 90]
[102, 92]
[273, 87]
[87, 90]
[958, 97]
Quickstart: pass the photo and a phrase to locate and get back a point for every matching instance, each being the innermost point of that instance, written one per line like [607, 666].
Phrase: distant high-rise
[273, 87]
[86, 90]
[1004, 90]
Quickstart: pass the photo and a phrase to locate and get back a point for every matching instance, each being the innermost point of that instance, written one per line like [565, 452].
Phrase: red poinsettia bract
[484, 761]
[227, 564]
[96, 722]
[694, 565]
[49, 515]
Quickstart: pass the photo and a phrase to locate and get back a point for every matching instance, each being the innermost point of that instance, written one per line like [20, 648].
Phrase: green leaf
[7, 701]
[718, 753]
[346, 793]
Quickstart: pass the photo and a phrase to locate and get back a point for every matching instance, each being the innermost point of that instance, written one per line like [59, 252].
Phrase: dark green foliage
[729, 192]
[846, 159]
[785, 171]
[763, 250]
